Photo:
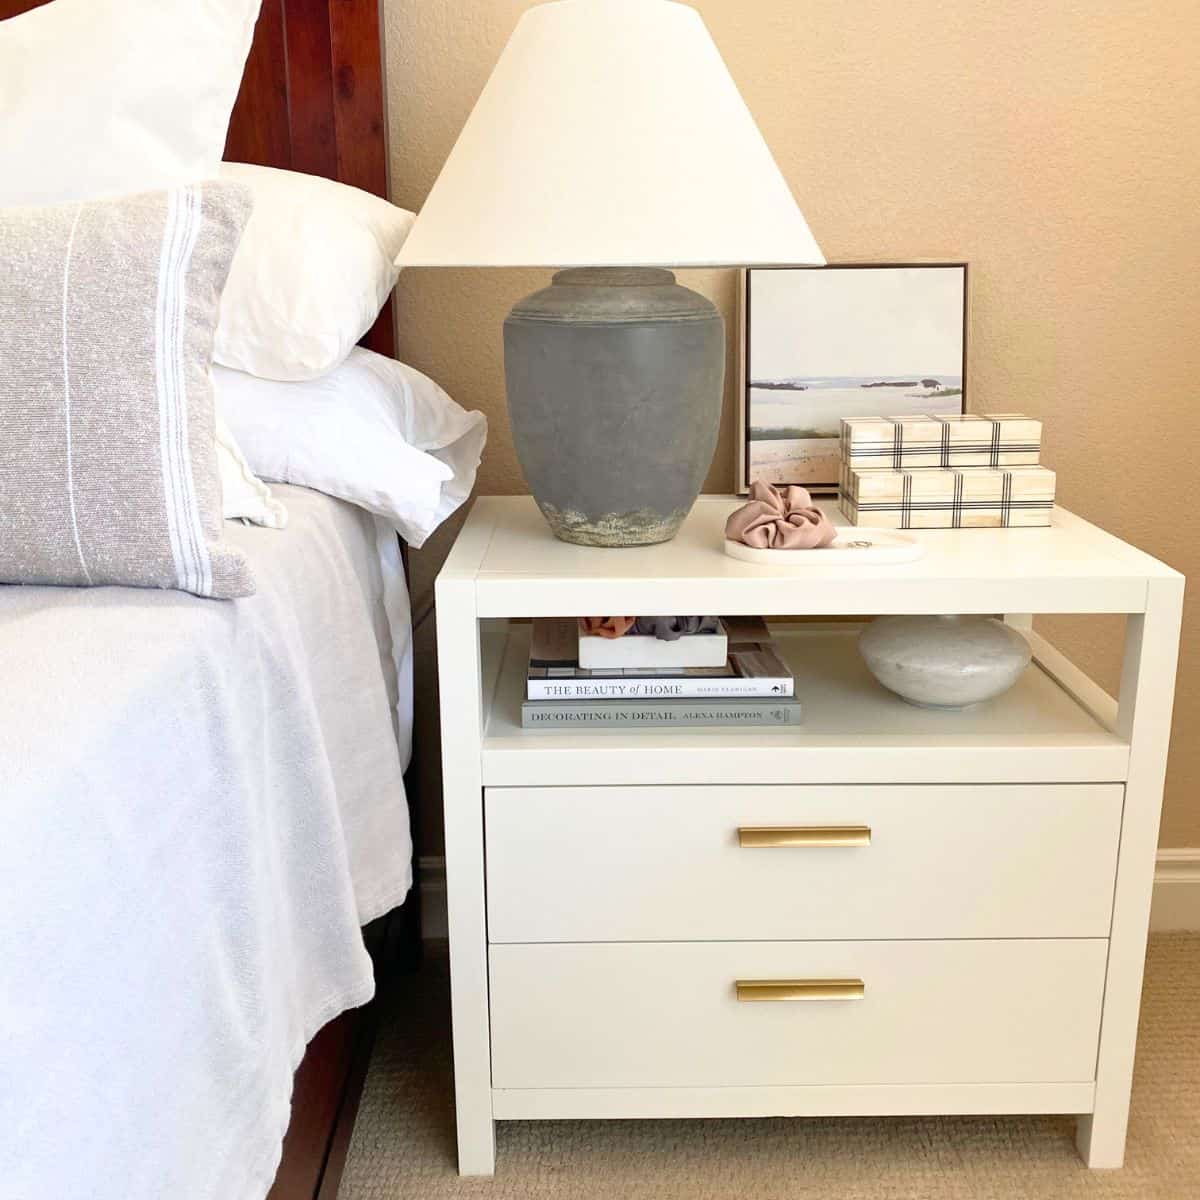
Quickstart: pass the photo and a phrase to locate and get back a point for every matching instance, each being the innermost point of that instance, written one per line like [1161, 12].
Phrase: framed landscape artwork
[820, 344]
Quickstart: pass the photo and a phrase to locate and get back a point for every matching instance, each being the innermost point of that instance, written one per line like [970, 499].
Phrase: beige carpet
[403, 1142]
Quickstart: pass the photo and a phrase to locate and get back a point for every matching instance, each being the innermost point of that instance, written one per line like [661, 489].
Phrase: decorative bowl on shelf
[944, 662]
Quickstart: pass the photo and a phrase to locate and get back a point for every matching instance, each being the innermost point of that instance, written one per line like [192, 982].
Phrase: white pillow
[103, 97]
[244, 497]
[315, 266]
[373, 431]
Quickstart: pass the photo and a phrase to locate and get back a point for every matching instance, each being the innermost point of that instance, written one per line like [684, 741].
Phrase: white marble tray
[868, 547]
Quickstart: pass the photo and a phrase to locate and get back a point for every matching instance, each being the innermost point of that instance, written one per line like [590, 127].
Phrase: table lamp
[611, 140]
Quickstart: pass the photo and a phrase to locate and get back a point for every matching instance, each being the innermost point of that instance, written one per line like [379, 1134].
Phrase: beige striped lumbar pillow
[108, 470]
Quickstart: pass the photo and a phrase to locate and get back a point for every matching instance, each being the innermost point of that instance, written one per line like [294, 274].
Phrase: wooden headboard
[312, 100]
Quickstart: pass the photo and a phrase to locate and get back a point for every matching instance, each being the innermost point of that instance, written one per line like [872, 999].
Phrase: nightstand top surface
[520, 568]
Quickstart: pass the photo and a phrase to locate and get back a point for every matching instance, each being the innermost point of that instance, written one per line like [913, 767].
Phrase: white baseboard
[1176, 891]
[1176, 894]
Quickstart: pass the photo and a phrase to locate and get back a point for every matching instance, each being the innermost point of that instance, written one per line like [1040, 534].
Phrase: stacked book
[950, 472]
[732, 676]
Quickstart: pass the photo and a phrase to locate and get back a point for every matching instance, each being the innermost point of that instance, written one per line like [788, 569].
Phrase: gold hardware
[761, 836]
[800, 989]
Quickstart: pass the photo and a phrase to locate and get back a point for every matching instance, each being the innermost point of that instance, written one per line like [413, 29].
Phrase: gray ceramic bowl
[944, 662]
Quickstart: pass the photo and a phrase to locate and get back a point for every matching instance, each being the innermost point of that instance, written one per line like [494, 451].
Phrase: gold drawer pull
[760, 836]
[800, 989]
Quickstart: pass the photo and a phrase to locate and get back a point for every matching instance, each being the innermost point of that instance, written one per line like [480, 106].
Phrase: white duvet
[200, 803]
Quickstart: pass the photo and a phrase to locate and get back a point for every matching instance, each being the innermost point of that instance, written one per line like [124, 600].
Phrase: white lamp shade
[610, 134]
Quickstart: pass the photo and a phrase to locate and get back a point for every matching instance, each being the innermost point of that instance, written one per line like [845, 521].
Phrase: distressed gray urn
[615, 379]
[944, 662]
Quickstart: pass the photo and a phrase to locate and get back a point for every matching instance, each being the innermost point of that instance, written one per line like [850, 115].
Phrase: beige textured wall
[1055, 146]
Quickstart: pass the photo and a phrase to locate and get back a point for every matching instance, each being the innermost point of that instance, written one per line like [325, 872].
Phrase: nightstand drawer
[763, 863]
[669, 1015]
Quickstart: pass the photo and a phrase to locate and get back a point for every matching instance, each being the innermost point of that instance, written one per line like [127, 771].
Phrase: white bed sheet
[200, 803]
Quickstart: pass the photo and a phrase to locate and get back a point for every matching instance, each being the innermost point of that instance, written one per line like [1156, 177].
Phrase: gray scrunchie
[671, 629]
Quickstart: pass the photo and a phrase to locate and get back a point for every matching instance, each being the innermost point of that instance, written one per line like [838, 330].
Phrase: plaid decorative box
[948, 498]
[967, 440]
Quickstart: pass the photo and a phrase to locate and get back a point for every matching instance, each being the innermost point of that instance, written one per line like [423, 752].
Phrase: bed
[206, 901]
[202, 907]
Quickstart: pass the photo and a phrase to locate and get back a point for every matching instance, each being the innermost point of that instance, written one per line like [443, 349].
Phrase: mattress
[201, 802]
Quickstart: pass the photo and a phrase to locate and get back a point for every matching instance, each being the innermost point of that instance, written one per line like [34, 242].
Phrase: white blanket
[200, 802]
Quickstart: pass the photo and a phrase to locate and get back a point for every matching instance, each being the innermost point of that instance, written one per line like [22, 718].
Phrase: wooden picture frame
[833, 366]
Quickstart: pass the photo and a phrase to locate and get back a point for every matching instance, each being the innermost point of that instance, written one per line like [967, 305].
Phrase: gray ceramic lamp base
[615, 379]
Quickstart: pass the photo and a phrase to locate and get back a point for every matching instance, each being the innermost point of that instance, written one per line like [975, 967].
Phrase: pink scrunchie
[607, 627]
[780, 520]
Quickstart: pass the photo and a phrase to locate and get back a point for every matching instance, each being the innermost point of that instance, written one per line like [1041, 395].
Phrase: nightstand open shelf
[1038, 732]
[604, 905]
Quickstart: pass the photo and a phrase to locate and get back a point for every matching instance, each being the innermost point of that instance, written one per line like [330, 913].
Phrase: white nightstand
[603, 907]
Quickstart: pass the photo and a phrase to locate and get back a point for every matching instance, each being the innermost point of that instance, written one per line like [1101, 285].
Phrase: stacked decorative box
[952, 472]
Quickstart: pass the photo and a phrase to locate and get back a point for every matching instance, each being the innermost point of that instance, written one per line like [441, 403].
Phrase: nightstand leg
[476, 1141]
[1100, 1138]
[1144, 718]
[462, 798]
